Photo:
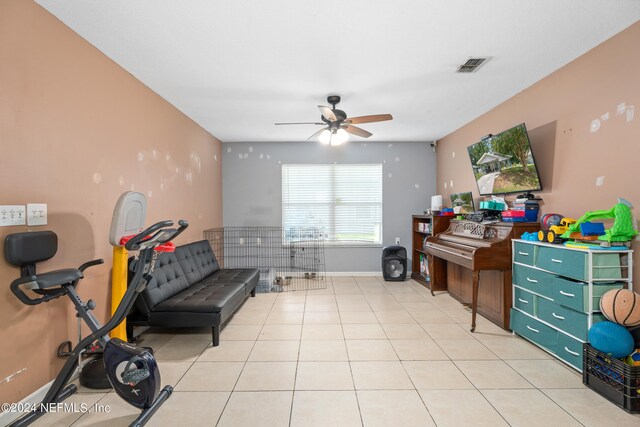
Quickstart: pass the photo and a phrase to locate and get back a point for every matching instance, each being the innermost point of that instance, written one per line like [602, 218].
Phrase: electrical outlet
[397, 240]
[12, 215]
[36, 214]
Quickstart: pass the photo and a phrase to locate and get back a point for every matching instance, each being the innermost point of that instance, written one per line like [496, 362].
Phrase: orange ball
[621, 306]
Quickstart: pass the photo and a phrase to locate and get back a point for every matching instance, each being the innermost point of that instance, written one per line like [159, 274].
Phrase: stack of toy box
[531, 208]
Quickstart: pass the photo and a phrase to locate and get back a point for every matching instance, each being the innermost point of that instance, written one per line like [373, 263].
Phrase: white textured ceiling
[237, 66]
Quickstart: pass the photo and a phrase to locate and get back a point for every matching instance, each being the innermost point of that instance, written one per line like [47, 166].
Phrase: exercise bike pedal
[133, 377]
[65, 350]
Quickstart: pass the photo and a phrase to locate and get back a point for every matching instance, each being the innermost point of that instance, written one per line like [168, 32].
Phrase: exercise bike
[132, 371]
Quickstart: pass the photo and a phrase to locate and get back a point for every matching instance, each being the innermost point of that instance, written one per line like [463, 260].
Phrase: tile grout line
[243, 365]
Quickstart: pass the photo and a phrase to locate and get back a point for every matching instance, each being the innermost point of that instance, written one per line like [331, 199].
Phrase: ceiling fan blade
[300, 123]
[316, 134]
[369, 119]
[327, 113]
[358, 131]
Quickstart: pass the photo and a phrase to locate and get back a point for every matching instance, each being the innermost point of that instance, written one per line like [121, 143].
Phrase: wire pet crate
[289, 259]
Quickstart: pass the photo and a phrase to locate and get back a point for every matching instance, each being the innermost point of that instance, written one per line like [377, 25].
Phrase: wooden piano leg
[474, 301]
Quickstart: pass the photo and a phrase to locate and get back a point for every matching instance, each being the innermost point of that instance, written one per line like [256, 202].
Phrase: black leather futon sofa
[189, 289]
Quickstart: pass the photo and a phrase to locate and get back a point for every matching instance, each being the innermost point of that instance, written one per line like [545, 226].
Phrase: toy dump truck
[552, 235]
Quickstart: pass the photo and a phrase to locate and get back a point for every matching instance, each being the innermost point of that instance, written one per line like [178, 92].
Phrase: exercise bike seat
[56, 278]
[25, 250]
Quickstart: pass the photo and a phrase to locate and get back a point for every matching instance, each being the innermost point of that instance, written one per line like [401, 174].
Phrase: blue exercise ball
[612, 339]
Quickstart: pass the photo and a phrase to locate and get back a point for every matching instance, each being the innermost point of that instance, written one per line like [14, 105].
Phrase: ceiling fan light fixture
[337, 125]
[325, 137]
[339, 137]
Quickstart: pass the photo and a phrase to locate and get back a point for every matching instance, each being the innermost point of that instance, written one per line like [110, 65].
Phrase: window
[343, 201]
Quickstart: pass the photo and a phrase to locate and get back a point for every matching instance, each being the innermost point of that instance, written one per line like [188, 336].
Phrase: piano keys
[464, 250]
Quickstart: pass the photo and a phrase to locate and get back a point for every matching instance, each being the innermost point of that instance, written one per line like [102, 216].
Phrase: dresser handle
[523, 253]
[534, 330]
[524, 301]
[559, 261]
[571, 352]
[557, 317]
[531, 280]
[567, 294]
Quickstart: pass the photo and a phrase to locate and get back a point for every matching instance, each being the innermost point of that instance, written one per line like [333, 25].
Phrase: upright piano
[459, 254]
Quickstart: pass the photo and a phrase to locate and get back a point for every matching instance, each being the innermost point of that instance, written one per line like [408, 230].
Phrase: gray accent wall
[252, 188]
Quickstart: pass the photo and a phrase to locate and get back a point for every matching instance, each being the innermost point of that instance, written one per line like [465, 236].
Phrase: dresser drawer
[575, 295]
[606, 266]
[524, 300]
[562, 261]
[534, 330]
[524, 253]
[570, 321]
[569, 350]
[533, 280]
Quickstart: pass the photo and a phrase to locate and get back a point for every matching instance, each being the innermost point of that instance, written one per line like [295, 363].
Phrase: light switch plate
[36, 214]
[12, 215]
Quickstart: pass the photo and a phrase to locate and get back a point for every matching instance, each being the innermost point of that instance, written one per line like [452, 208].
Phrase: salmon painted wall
[76, 131]
[584, 127]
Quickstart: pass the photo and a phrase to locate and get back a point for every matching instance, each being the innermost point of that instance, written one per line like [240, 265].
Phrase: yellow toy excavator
[622, 231]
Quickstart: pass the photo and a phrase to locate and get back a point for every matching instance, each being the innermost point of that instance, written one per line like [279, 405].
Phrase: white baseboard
[353, 273]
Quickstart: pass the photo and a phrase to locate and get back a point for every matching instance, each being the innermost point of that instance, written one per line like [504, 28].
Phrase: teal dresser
[557, 290]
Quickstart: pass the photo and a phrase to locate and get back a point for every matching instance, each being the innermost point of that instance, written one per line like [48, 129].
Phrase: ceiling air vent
[471, 65]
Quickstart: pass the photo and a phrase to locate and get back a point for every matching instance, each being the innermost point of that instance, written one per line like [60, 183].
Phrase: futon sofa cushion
[167, 280]
[188, 289]
[198, 255]
[249, 277]
[202, 298]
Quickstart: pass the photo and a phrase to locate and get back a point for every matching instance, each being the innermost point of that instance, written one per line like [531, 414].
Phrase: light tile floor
[361, 352]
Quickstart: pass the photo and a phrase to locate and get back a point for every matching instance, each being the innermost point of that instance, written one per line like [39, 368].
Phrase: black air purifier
[394, 263]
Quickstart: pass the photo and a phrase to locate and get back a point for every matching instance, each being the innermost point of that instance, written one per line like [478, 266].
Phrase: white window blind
[343, 201]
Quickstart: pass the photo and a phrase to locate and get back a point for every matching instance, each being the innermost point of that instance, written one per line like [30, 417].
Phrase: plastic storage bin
[531, 215]
[513, 216]
[612, 378]
[487, 205]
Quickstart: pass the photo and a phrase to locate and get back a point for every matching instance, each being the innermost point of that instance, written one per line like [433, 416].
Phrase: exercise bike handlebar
[138, 281]
[88, 264]
[155, 235]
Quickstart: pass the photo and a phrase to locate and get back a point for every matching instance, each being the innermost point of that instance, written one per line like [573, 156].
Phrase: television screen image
[503, 163]
[462, 203]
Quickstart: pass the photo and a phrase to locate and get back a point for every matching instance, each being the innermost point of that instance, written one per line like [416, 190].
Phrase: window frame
[331, 228]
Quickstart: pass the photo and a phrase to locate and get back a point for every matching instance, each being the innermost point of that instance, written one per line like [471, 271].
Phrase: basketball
[621, 306]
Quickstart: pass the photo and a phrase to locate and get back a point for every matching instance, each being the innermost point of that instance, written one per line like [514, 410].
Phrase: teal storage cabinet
[557, 291]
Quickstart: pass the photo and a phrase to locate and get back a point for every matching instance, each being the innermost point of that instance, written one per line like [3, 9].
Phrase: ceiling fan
[338, 125]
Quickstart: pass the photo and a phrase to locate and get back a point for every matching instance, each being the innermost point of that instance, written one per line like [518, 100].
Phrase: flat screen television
[462, 203]
[504, 163]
